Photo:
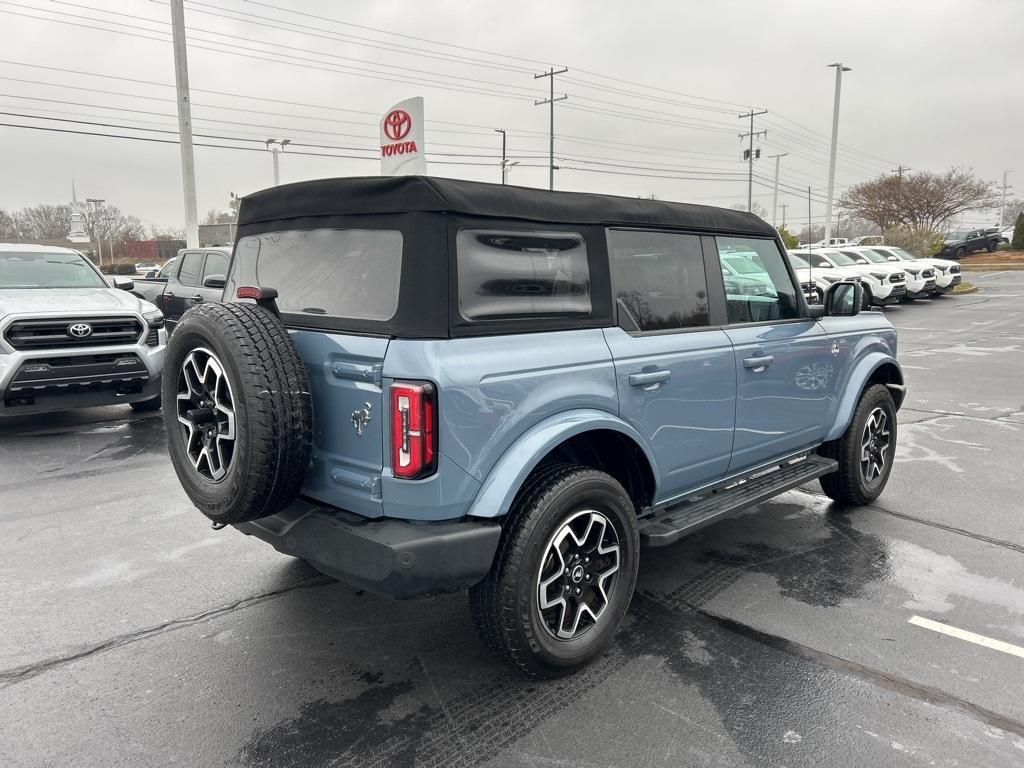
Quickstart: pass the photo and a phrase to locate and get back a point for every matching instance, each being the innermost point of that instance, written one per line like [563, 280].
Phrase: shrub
[1018, 234]
[917, 240]
[118, 268]
[788, 238]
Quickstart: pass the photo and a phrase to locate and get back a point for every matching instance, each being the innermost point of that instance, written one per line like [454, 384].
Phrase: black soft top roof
[407, 194]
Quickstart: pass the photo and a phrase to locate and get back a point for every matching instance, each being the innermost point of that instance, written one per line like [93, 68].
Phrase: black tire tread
[278, 410]
[844, 484]
[493, 601]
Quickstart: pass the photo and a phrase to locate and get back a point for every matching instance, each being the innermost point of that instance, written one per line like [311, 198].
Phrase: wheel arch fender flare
[499, 489]
[875, 367]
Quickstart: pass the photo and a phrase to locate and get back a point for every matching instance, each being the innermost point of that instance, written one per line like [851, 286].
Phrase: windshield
[842, 260]
[743, 266]
[798, 261]
[902, 255]
[875, 256]
[47, 270]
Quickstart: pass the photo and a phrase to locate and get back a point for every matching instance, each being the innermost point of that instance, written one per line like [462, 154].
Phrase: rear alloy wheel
[960, 253]
[564, 571]
[865, 451]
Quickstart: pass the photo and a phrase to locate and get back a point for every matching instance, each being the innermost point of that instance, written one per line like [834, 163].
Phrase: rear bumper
[390, 557]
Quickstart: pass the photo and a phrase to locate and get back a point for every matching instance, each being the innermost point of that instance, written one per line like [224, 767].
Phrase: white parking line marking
[970, 637]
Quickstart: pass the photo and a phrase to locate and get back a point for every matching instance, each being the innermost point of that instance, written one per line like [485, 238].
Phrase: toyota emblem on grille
[80, 330]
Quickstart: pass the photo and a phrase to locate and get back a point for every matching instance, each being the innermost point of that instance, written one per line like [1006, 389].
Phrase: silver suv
[69, 339]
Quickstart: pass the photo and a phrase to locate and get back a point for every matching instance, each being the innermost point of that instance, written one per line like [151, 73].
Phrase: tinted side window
[346, 273]
[658, 279]
[508, 274]
[191, 263]
[763, 290]
[819, 261]
[216, 264]
[166, 269]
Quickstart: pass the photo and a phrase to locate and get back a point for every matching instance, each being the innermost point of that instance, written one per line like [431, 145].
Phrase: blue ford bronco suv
[422, 385]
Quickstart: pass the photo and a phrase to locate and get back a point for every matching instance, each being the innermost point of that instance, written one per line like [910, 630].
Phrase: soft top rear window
[344, 273]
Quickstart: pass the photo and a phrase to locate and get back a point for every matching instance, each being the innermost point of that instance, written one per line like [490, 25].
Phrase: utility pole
[188, 162]
[784, 206]
[1002, 208]
[832, 155]
[748, 154]
[275, 146]
[551, 133]
[899, 171]
[503, 137]
[775, 192]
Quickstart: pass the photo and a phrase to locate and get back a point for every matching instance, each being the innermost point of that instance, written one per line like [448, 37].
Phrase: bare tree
[8, 226]
[109, 223]
[44, 222]
[213, 216]
[812, 234]
[167, 233]
[1014, 208]
[757, 209]
[922, 200]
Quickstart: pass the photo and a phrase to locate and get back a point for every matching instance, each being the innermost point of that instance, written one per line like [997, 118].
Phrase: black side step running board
[669, 525]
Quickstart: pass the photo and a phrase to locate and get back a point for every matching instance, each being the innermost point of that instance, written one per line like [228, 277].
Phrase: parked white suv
[920, 277]
[814, 282]
[69, 339]
[947, 271]
[883, 284]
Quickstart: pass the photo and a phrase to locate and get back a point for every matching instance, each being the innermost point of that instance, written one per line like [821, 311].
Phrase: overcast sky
[934, 83]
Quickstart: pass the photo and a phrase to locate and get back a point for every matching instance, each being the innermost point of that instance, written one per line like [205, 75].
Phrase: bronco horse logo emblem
[360, 418]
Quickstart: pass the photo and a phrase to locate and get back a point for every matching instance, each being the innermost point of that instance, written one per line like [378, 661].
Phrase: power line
[550, 101]
[750, 154]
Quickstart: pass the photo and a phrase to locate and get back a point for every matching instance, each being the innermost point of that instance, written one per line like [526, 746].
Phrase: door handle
[646, 378]
[758, 363]
[168, 295]
[198, 299]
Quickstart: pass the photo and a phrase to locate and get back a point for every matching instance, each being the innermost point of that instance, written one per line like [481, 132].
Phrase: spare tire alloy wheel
[205, 409]
[237, 412]
[577, 574]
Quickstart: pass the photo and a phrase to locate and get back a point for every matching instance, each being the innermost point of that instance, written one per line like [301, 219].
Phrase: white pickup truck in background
[69, 338]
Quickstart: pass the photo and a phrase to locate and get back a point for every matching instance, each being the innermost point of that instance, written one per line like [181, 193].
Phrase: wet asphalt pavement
[134, 635]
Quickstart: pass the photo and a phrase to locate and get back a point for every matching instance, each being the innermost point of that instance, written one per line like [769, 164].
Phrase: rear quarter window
[345, 273]
[504, 274]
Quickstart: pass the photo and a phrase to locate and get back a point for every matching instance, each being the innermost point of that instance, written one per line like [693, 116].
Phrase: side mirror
[844, 299]
[124, 283]
[215, 281]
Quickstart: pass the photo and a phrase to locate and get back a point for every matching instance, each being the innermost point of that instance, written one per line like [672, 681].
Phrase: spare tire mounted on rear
[237, 411]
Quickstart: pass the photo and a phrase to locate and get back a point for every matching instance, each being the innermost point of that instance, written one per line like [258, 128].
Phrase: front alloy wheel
[875, 443]
[205, 409]
[577, 574]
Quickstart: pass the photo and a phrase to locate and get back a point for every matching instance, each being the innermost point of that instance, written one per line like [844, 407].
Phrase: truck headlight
[154, 319]
[878, 275]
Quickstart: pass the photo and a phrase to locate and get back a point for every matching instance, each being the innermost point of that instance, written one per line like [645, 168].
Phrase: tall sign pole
[551, 133]
[832, 155]
[188, 163]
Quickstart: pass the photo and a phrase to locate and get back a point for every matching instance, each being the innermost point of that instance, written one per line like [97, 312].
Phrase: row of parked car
[887, 274]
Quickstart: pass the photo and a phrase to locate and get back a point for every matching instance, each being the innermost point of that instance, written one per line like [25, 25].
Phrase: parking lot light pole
[1002, 208]
[775, 192]
[96, 202]
[832, 155]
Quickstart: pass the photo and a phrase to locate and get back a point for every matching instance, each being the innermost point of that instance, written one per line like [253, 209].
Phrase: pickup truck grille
[897, 277]
[954, 270]
[928, 274]
[55, 333]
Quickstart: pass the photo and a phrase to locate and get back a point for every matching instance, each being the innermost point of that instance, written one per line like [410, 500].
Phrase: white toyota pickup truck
[69, 338]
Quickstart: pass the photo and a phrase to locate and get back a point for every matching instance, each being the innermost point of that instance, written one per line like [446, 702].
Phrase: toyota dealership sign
[401, 139]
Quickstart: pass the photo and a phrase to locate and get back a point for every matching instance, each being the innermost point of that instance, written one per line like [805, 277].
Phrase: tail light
[413, 429]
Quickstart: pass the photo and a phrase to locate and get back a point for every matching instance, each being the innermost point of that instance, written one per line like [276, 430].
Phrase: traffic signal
[746, 154]
[757, 154]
